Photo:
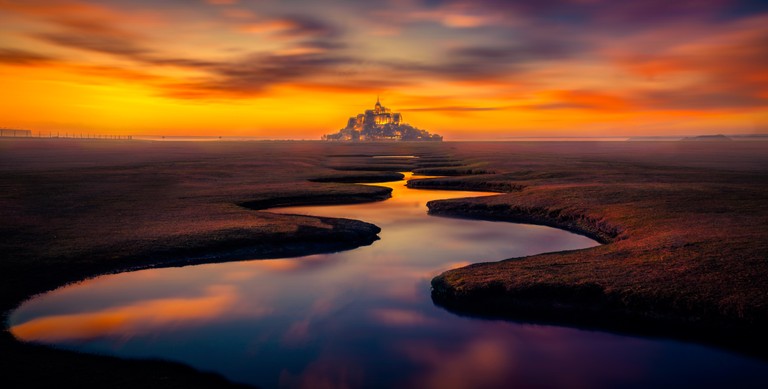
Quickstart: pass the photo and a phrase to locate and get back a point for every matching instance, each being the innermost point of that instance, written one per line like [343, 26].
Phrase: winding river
[364, 317]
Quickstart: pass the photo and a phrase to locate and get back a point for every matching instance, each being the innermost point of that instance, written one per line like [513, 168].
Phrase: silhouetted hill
[708, 138]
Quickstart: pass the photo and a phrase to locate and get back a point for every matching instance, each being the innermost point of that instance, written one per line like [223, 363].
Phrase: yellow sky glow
[278, 70]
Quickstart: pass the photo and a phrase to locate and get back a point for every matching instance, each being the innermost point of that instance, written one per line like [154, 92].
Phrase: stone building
[380, 124]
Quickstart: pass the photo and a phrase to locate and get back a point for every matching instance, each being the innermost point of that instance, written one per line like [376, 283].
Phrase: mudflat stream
[364, 317]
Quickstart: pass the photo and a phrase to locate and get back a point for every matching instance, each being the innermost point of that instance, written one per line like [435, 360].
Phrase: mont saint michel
[378, 124]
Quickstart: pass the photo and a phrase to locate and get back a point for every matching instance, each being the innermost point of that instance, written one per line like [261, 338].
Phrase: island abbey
[378, 124]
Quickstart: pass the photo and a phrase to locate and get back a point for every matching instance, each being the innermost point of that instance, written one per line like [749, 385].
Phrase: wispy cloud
[294, 26]
[441, 58]
[23, 57]
[454, 108]
[253, 74]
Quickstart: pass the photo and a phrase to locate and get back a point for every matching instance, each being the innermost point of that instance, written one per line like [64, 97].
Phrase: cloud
[532, 49]
[294, 26]
[486, 62]
[454, 108]
[457, 16]
[242, 76]
[116, 73]
[60, 12]
[659, 54]
[96, 43]
[253, 74]
[23, 57]
[612, 18]
[559, 105]
[124, 46]
[90, 27]
[724, 68]
[643, 14]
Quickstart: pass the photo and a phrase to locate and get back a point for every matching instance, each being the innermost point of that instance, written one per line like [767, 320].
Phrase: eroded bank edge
[178, 374]
[581, 305]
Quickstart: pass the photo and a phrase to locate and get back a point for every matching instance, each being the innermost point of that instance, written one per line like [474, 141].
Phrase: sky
[465, 69]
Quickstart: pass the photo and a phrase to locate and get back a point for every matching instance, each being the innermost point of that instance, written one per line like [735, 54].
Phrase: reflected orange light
[481, 363]
[130, 319]
[279, 265]
[399, 317]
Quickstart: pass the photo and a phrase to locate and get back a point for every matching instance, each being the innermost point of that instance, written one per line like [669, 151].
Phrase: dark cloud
[324, 44]
[241, 76]
[295, 27]
[452, 69]
[155, 59]
[555, 106]
[121, 46]
[301, 26]
[23, 57]
[244, 75]
[511, 40]
[527, 50]
[101, 44]
[618, 15]
[454, 108]
[647, 13]
[566, 11]
[255, 72]
[472, 62]
[119, 73]
[746, 8]
[483, 53]
[84, 25]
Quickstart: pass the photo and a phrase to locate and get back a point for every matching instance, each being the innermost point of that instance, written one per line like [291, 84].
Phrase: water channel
[364, 317]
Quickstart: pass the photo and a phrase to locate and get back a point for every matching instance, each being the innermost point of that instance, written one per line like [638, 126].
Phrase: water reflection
[140, 317]
[361, 318]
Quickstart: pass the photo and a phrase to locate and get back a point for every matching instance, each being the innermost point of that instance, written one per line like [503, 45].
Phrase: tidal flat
[683, 227]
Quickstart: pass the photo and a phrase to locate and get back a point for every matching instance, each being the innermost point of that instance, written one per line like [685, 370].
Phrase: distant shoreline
[743, 138]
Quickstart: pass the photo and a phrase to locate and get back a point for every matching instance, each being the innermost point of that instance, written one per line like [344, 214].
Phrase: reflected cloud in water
[359, 318]
[129, 320]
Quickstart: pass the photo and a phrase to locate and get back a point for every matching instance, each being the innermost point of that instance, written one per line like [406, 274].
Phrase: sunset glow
[140, 317]
[463, 69]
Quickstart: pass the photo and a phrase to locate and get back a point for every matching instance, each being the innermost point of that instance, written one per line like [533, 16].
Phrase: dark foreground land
[685, 227]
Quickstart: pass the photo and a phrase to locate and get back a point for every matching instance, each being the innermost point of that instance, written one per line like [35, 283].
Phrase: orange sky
[463, 69]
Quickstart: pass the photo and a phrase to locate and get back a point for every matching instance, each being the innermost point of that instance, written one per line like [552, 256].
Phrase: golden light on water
[139, 317]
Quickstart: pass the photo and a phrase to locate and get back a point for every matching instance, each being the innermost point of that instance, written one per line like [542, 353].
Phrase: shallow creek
[364, 317]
